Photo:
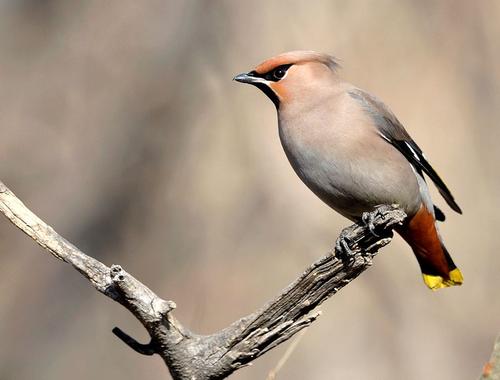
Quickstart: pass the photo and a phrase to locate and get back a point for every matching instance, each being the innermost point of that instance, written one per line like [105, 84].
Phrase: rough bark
[191, 356]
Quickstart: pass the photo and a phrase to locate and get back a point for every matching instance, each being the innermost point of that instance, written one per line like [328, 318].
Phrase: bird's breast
[342, 159]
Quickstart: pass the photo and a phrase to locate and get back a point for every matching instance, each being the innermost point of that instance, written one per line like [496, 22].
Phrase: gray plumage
[393, 131]
[339, 154]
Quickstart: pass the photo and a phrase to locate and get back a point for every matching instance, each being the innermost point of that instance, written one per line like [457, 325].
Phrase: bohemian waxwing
[354, 154]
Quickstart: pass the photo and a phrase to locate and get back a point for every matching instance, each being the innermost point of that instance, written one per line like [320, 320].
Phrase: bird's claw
[342, 247]
[367, 218]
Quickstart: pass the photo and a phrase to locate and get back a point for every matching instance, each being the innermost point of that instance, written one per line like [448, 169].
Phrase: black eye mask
[274, 75]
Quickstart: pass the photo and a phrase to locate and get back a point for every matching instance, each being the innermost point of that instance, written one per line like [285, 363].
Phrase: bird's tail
[436, 280]
[438, 268]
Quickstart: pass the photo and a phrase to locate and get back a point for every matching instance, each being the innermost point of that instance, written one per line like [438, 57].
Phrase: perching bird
[354, 154]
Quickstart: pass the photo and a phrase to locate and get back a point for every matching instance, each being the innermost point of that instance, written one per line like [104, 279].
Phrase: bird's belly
[345, 193]
[352, 184]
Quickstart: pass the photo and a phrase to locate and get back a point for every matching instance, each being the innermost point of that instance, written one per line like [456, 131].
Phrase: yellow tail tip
[437, 282]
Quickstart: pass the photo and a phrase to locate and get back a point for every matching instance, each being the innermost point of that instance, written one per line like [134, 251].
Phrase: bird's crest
[297, 56]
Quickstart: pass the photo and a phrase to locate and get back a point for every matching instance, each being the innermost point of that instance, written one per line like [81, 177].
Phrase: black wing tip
[457, 209]
[453, 205]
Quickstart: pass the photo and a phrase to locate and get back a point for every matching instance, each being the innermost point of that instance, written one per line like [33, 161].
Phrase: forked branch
[191, 356]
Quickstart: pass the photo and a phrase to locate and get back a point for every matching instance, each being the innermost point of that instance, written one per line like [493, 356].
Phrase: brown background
[121, 127]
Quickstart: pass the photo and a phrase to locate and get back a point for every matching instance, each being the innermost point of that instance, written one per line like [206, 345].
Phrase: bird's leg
[342, 246]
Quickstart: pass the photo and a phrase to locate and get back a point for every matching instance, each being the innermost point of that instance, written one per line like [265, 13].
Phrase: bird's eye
[279, 72]
[276, 74]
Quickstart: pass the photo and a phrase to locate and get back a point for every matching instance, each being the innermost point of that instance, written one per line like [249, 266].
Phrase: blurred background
[120, 126]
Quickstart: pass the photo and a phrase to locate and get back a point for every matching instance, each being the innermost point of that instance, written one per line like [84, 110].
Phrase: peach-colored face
[291, 76]
[308, 70]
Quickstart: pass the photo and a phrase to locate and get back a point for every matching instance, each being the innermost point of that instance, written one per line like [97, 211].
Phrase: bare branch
[191, 356]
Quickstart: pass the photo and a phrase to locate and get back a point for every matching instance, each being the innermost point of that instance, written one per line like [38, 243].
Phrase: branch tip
[144, 349]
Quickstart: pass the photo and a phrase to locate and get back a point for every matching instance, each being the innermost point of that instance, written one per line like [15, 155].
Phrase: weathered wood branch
[191, 356]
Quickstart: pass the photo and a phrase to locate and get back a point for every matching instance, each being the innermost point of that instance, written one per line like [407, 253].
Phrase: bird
[350, 150]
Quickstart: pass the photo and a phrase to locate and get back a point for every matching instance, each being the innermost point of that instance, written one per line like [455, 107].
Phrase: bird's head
[288, 76]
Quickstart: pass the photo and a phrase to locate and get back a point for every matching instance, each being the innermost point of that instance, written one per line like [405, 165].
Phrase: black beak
[261, 83]
[247, 78]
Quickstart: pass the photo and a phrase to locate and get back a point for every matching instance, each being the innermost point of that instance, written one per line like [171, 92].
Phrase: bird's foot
[343, 246]
[368, 217]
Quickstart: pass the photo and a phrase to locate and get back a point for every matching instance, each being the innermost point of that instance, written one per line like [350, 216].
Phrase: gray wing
[394, 133]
